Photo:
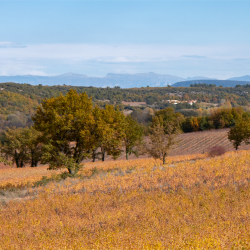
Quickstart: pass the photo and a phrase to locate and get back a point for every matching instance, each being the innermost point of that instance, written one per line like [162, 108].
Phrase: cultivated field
[192, 202]
[200, 142]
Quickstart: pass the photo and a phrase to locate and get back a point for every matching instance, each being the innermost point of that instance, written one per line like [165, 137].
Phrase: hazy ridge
[123, 80]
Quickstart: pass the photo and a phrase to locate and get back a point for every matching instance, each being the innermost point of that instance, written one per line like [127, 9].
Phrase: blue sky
[182, 38]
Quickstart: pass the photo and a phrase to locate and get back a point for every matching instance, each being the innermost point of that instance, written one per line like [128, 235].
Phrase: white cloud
[99, 59]
[194, 56]
[6, 44]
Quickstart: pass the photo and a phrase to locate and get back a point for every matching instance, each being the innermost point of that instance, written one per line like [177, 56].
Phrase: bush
[216, 151]
[12, 118]
[188, 112]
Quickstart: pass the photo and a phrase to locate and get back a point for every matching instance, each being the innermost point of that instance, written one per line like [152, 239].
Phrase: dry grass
[189, 203]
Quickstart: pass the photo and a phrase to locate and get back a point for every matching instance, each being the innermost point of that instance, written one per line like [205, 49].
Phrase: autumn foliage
[188, 202]
[191, 202]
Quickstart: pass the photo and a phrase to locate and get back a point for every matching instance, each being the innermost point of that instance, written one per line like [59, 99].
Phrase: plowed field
[200, 142]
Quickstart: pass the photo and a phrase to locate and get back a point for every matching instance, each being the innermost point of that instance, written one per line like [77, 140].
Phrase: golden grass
[189, 203]
[21, 177]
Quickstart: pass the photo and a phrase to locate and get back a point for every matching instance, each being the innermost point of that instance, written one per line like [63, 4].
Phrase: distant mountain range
[223, 83]
[241, 78]
[123, 80]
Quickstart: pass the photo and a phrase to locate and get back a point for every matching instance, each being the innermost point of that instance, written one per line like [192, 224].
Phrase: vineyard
[200, 142]
[192, 202]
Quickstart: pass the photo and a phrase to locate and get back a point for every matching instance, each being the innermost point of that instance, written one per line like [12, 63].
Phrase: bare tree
[162, 140]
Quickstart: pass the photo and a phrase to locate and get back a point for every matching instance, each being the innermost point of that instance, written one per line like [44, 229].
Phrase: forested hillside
[12, 102]
[200, 92]
[24, 98]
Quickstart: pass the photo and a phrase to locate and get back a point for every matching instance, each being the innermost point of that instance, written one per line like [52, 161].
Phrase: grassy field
[192, 202]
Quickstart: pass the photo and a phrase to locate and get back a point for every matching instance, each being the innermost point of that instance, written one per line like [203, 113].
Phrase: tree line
[218, 119]
[18, 102]
[69, 129]
[238, 95]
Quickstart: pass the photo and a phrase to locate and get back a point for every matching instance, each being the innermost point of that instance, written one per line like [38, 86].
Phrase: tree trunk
[164, 159]
[17, 162]
[32, 159]
[71, 171]
[127, 154]
[103, 155]
[93, 156]
[34, 163]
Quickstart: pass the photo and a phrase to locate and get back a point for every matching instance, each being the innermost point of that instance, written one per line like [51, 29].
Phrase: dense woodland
[18, 102]
[200, 92]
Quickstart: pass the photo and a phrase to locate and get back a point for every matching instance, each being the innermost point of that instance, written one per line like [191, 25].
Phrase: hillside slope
[189, 203]
[10, 103]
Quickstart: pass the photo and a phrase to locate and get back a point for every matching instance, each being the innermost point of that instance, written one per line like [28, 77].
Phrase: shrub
[12, 118]
[188, 112]
[216, 151]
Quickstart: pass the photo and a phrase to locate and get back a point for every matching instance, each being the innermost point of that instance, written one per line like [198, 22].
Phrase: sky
[181, 38]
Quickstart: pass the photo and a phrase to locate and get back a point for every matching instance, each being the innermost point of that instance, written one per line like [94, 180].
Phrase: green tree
[98, 132]
[187, 125]
[133, 136]
[34, 147]
[14, 147]
[203, 123]
[107, 132]
[64, 123]
[22, 146]
[114, 132]
[143, 116]
[169, 117]
[240, 133]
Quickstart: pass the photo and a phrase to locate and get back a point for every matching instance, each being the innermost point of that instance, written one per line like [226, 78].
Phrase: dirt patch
[15, 195]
